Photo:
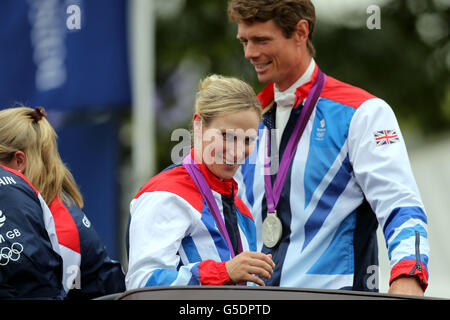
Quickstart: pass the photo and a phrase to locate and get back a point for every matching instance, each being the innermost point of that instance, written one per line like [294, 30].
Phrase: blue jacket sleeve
[100, 275]
[29, 266]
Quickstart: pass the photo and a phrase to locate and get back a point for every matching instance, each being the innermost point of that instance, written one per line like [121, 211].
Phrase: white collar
[287, 97]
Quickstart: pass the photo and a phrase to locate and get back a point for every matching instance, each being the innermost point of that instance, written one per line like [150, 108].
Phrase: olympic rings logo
[10, 254]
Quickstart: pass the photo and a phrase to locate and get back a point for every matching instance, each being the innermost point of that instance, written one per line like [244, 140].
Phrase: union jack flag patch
[386, 137]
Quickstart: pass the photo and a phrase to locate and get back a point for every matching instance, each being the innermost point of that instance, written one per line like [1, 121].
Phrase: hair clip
[38, 113]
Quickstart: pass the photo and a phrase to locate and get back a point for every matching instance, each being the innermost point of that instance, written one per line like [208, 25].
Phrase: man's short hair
[285, 13]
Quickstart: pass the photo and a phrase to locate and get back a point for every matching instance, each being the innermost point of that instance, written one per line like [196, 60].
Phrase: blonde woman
[187, 225]
[28, 147]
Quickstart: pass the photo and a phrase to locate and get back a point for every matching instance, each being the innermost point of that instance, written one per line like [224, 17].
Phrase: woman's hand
[247, 265]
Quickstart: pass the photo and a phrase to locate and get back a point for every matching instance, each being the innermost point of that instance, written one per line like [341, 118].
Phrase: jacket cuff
[213, 273]
[410, 268]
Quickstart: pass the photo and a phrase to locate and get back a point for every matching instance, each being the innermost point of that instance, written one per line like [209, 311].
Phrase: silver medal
[271, 230]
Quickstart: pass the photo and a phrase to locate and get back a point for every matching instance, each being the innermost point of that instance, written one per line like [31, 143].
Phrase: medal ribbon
[273, 194]
[205, 190]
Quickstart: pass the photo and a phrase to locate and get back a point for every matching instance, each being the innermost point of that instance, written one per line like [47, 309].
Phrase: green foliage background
[406, 62]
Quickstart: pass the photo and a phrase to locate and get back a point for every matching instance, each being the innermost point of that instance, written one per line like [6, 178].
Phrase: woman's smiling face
[227, 140]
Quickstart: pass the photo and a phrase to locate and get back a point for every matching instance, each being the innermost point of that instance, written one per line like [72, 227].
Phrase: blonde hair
[219, 94]
[25, 129]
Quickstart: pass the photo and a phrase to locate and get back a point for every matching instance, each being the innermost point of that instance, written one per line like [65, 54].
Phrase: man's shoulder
[344, 93]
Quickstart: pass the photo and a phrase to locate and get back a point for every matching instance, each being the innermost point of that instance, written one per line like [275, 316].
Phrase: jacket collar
[225, 187]
[266, 96]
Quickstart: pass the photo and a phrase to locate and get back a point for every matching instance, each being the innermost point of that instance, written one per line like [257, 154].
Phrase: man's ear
[302, 31]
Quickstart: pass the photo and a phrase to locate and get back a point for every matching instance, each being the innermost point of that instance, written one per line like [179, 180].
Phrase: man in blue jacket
[318, 207]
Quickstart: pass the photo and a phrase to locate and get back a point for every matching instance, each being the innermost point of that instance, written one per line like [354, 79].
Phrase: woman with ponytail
[29, 150]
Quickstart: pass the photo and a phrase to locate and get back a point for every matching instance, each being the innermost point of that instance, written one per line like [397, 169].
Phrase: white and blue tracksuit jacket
[173, 238]
[350, 172]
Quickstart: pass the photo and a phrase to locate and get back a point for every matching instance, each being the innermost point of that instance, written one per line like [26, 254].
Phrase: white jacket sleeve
[159, 222]
[381, 167]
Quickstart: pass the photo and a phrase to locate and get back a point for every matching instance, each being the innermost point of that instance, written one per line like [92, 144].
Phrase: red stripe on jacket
[18, 173]
[405, 267]
[178, 181]
[333, 90]
[66, 229]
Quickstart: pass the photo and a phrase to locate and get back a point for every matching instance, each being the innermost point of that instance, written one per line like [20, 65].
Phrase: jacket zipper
[417, 266]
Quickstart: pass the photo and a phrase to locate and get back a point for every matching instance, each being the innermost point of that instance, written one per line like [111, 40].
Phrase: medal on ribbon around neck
[271, 230]
[271, 227]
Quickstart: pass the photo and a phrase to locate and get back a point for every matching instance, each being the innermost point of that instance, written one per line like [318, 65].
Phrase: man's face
[275, 57]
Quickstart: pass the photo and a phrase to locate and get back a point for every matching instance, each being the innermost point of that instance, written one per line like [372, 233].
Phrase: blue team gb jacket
[49, 254]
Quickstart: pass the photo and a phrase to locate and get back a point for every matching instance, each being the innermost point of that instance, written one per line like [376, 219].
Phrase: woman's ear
[197, 119]
[197, 126]
[19, 161]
